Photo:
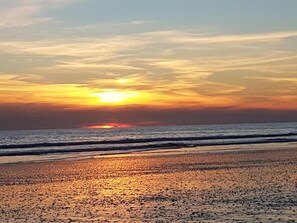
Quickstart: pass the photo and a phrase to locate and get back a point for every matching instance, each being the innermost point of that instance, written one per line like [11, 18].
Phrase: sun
[100, 127]
[109, 126]
[114, 96]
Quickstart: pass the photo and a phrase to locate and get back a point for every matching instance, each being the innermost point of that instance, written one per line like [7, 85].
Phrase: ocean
[43, 145]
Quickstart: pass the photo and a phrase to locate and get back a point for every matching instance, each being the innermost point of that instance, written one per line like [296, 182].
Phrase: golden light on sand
[115, 96]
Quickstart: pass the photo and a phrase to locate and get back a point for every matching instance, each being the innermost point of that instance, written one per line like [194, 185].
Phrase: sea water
[42, 145]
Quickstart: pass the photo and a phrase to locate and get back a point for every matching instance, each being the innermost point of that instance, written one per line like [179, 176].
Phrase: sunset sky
[88, 63]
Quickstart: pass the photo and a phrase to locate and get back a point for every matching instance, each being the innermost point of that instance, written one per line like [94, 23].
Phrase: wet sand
[222, 186]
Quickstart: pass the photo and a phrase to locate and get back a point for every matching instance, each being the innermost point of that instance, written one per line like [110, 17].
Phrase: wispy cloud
[20, 13]
[177, 36]
[105, 27]
[165, 67]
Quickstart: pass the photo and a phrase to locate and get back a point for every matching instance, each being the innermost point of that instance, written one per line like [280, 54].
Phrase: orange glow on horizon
[109, 126]
[164, 96]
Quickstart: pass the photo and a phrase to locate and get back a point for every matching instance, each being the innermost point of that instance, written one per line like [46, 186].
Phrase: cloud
[166, 39]
[21, 13]
[40, 116]
[21, 16]
[152, 65]
[259, 89]
[177, 36]
[106, 27]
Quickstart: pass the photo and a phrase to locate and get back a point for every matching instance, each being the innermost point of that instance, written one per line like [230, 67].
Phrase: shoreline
[233, 148]
[144, 147]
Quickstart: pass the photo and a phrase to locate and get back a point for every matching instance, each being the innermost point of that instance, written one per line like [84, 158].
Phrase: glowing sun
[109, 126]
[114, 96]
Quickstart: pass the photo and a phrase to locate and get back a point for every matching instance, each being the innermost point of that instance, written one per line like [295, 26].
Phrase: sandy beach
[256, 185]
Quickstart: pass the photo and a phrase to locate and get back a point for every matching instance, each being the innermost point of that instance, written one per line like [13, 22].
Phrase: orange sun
[108, 126]
[115, 96]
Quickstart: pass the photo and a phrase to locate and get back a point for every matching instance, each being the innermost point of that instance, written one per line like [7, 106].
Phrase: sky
[126, 63]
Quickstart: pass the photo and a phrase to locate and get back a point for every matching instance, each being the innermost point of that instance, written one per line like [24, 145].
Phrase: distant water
[16, 146]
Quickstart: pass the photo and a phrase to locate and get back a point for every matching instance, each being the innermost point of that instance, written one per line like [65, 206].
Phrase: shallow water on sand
[246, 186]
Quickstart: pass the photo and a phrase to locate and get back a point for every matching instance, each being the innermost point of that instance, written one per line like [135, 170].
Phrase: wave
[142, 140]
[152, 146]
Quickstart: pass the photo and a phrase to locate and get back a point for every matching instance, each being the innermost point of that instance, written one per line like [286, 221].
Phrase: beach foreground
[246, 185]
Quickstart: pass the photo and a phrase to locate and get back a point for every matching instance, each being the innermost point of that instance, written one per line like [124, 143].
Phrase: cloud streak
[165, 68]
[22, 13]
